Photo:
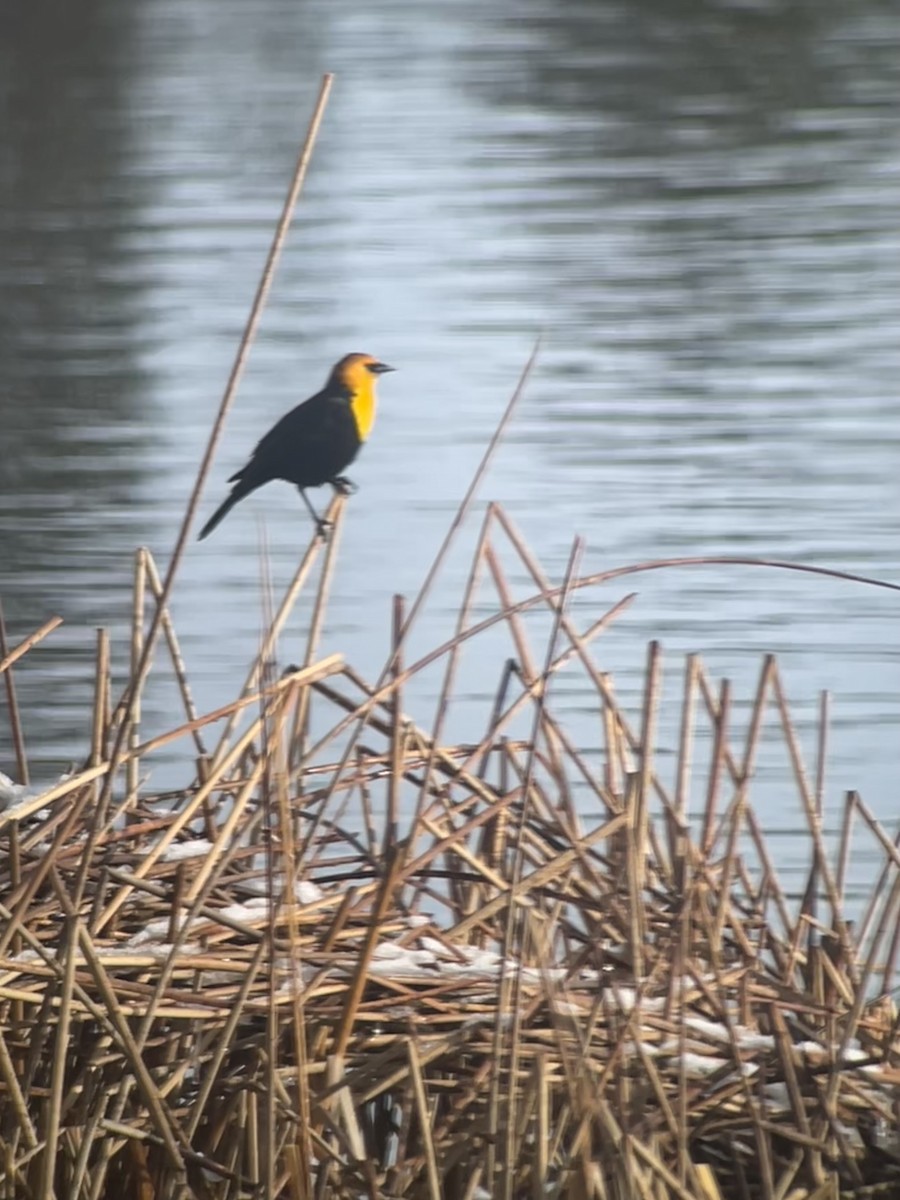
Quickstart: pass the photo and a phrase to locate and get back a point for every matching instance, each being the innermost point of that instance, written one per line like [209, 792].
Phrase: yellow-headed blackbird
[313, 443]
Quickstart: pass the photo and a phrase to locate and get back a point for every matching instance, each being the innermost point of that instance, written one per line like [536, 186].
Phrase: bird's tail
[241, 489]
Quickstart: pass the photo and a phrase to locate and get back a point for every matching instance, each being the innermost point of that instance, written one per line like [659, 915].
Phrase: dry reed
[544, 972]
[486, 993]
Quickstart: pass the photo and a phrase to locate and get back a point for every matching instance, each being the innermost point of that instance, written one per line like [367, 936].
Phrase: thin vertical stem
[60, 1059]
[821, 760]
[100, 722]
[679, 837]
[719, 753]
[132, 771]
[397, 739]
[334, 516]
[638, 801]
[15, 721]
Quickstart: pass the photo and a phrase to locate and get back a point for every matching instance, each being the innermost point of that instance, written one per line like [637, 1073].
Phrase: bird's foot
[324, 528]
[343, 485]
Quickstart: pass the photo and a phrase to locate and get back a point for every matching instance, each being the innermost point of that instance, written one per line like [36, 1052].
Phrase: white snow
[15, 796]
[196, 848]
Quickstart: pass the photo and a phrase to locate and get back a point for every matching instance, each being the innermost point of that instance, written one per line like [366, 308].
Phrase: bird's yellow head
[356, 376]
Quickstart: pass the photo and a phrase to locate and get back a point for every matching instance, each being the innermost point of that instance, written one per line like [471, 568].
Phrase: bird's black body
[313, 443]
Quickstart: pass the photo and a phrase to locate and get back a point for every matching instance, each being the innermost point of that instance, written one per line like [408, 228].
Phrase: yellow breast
[362, 404]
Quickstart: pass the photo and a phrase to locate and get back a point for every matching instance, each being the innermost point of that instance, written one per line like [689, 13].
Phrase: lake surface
[698, 207]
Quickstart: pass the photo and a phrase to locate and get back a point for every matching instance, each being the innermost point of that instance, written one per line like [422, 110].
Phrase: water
[695, 204]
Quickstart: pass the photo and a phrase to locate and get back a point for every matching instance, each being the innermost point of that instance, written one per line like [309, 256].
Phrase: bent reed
[367, 961]
[380, 964]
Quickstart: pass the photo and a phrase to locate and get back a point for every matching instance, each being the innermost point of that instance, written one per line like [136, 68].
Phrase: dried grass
[264, 987]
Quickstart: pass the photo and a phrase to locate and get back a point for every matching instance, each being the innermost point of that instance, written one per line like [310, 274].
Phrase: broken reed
[261, 988]
[380, 964]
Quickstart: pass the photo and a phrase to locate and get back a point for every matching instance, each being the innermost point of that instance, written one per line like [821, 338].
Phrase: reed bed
[353, 958]
[380, 964]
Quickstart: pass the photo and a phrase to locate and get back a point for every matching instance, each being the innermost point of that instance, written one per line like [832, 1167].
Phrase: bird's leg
[323, 526]
[343, 485]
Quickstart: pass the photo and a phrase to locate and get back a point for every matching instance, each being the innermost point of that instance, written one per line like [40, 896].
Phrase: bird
[315, 442]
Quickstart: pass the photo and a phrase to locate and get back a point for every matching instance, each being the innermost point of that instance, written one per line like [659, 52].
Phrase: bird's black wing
[308, 446]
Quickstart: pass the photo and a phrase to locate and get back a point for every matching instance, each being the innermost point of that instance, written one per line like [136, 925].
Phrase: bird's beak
[382, 368]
